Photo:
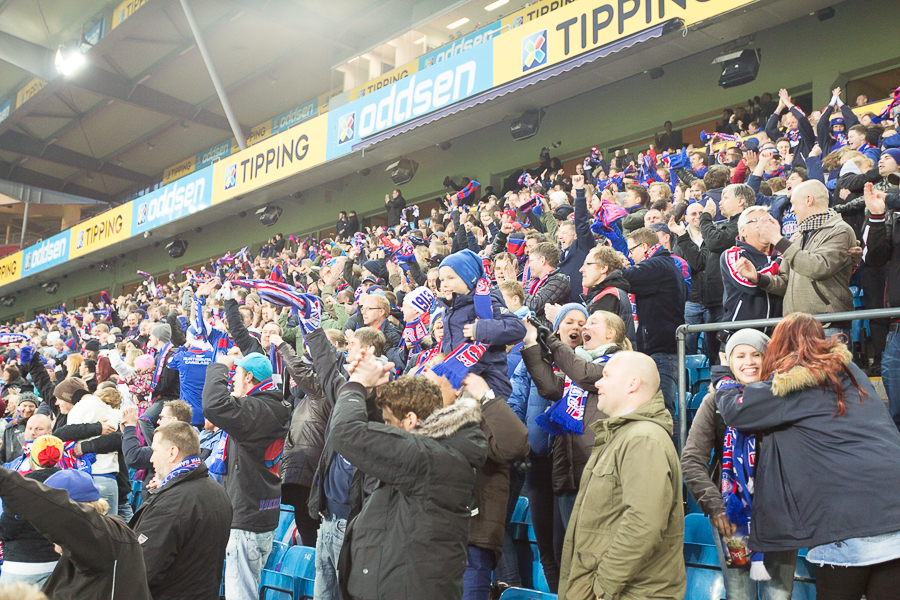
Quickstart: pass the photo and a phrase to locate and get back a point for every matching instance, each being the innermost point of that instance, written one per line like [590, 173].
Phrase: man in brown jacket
[814, 276]
[626, 533]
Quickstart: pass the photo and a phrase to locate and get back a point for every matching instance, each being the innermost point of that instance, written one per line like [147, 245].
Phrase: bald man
[814, 276]
[628, 510]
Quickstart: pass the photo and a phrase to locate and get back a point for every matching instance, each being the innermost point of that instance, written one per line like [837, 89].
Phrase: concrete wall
[801, 55]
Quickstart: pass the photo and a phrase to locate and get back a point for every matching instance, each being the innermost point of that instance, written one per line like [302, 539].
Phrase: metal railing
[683, 330]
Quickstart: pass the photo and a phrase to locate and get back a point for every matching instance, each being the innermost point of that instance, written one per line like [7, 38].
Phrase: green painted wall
[800, 55]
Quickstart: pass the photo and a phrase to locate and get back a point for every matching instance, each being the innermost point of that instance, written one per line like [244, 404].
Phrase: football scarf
[886, 113]
[567, 414]
[185, 466]
[457, 364]
[161, 363]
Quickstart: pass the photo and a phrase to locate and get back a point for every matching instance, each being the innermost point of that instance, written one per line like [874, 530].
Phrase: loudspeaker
[176, 248]
[739, 69]
[269, 215]
[526, 126]
[8, 301]
[50, 287]
[402, 171]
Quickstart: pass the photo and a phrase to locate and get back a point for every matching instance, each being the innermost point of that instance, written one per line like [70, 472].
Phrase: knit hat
[750, 337]
[558, 197]
[29, 397]
[67, 387]
[77, 395]
[467, 265]
[46, 451]
[893, 153]
[376, 268]
[162, 332]
[567, 308]
[92, 345]
[562, 212]
[79, 484]
[420, 298]
[144, 361]
[255, 297]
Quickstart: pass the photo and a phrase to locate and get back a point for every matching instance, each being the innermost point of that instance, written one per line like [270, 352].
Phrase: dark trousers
[877, 582]
[873, 280]
[542, 505]
[507, 569]
[297, 496]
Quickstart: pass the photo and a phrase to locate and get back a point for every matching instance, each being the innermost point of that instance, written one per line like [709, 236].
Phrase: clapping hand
[368, 370]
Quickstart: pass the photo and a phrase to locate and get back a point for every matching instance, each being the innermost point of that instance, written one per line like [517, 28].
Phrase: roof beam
[13, 141]
[27, 56]
[22, 175]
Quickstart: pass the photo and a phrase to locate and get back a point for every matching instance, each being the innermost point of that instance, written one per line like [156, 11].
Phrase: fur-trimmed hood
[801, 378]
[446, 421]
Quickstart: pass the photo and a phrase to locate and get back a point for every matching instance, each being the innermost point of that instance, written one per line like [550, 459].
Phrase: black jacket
[806, 140]
[611, 295]
[395, 208]
[256, 426]
[13, 436]
[881, 238]
[101, 559]
[660, 294]
[555, 290]
[820, 477]
[409, 541]
[717, 238]
[823, 127]
[743, 299]
[572, 258]
[21, 541]
[185, 526]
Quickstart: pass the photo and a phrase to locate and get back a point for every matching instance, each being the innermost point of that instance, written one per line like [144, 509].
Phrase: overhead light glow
[458, 23]
[353, 59]
[421, 40]
[495, 5]
[69, 62]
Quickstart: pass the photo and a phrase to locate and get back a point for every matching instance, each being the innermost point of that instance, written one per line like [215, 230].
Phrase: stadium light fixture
[458, 23]
[495, 5]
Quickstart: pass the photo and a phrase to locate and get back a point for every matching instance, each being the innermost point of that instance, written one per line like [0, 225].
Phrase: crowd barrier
[682, 331]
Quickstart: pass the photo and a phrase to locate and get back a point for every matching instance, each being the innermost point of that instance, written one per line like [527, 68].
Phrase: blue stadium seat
[697, 366]
[276, 557]
[804, 579]
[704, 583]
[697, 530]
[699, 542]
[523, 594]
[136, 498]
[296, 579]
[284, 533]
[520, 520]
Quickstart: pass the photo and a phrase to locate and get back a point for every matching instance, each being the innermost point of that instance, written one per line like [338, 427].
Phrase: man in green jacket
[626, 533]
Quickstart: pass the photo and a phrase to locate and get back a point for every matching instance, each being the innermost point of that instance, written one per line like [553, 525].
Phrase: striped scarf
[161, 364]
[816, 221]
[567, 414]
[185, 466]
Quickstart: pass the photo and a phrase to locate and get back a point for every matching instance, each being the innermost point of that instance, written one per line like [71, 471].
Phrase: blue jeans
[109, 491]
[694, 314]
[36, 573]
[245, 556]
[125, 511]
[667, 365]
[739, 586]
[566, 503]
[328, 550]
[477, 578]
[890, 374]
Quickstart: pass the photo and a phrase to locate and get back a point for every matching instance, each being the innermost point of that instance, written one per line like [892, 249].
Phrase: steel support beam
[33, 178]
[27, 56]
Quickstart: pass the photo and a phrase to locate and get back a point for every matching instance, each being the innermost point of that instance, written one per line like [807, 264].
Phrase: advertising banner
[298, 115]
[106, 228]
[10, 268]
[183, 168]
[179, 199]
[588, 24]
[387, 79]
[534, 11]
[447, 82]
[28, 92]
[49, 253]
[125, 10]
[483, 35]
[272, 159]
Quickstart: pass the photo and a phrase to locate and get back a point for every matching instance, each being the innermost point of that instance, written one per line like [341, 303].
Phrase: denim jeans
[694, 314]
[507, 569]
[125, 511]
[109, 491]
[566, 503]
[780, 565]
[245, 556]
[477, 578]
[890, 374]
[328, 550]
[11, 574]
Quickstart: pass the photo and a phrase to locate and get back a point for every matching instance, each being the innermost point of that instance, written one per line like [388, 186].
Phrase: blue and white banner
[447, 82]
[180, 198]
[49, 253]
[446, 51]
[302, 113]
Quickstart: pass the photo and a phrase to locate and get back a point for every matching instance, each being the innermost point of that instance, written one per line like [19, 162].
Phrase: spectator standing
[670, 139]
[184, 525]
[606, 288]
[575, 240]
[548, 285]
[628, 510]
[394, 203]
[14, 434]
[341, 227]
[799, 131]
[255, 418]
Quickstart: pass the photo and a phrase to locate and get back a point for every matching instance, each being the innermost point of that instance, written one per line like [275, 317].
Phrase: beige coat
[626, 534]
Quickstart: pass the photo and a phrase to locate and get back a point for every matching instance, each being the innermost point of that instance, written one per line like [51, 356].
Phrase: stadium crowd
[402, 386]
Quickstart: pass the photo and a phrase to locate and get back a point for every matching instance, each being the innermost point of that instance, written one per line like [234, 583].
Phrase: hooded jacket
[570, 452]
[409, 541]
[744, 300]
[256, 426]
[611, 295]
[185, 526]
[820, 477]
[882, 247]
[814, 276]
[626, 532]
[504, 328]
[101, 559]
[660, 293]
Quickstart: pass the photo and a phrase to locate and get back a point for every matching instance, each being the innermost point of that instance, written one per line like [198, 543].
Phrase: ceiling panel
[111, 128]
[49, 168]
[48, 23]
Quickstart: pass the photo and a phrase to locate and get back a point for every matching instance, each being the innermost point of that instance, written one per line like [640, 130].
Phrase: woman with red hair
[828, 462]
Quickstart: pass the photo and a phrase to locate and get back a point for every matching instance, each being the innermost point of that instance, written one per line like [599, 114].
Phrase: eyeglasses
[755, 220]
[364, 308]
[631, 249]
[590, 264]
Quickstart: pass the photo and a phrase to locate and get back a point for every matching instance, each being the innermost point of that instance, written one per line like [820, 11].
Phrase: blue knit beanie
[467, 265]
[566, 308]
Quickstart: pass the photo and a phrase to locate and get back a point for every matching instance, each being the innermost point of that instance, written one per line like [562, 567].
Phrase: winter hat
[562, 212]
[67, 387]
[421, 299]
[144, 361]
[79, 484]
[567, 308]
[559, 197]
[893, 153]
[467, 265]
[92, 346]
[376, 268]
[29, 397]
[53, 337]
[46, 451]
[162, 332]
[750, 337]
[77, 395]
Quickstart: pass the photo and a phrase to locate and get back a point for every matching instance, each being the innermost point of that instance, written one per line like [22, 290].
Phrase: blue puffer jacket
[528, 404]
[505, 328]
